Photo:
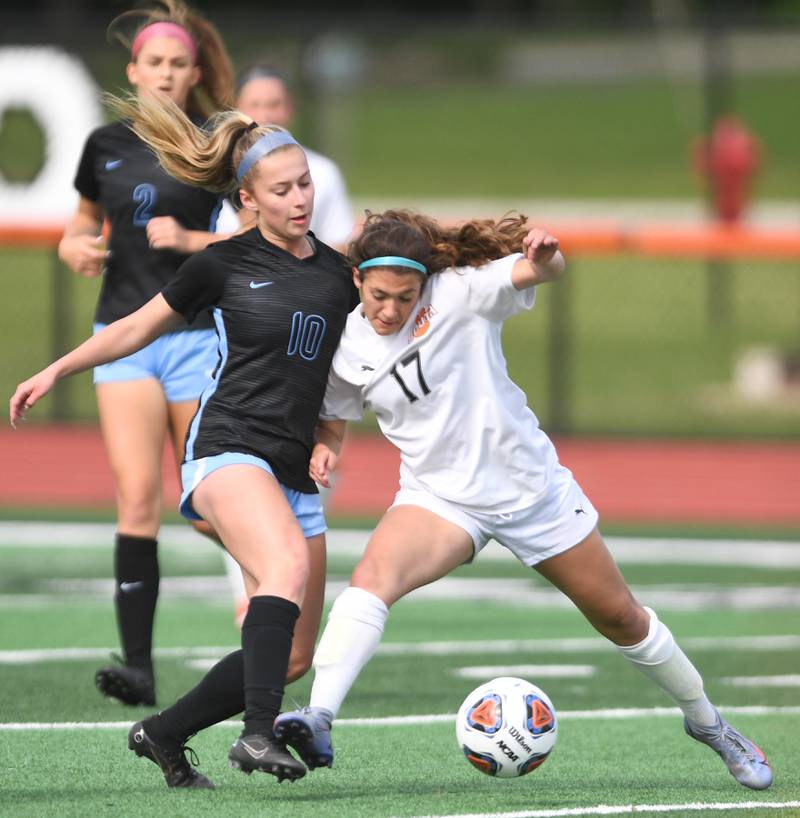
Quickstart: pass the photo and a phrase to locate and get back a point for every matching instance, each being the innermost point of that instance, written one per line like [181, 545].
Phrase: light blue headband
[393, 261]
[260, 148]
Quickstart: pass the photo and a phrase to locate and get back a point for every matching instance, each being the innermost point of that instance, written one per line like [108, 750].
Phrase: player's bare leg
[410, 547]
[588, 575]
[247, 507]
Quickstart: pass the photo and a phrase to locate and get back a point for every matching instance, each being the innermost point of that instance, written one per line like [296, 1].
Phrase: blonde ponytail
[198, 157]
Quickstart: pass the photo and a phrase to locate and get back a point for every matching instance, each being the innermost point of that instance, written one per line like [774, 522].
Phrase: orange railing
[583, 238]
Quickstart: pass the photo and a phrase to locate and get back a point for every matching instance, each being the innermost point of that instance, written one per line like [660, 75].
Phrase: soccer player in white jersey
[423, 352]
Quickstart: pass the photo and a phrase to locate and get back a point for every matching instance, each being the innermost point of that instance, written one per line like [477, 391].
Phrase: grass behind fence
[642, 357]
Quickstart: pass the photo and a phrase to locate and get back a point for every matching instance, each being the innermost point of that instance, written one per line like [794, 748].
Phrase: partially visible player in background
[155, 223]
[262, 92]
[424, 353]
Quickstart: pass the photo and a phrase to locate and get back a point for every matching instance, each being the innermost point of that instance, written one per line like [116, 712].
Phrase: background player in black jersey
[155, 222]
[279, 300]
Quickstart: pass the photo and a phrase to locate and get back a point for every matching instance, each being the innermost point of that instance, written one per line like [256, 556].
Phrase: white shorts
[560, 519]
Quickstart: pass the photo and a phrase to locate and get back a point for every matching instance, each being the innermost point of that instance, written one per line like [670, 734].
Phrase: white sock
[351, 637]
[660, 659]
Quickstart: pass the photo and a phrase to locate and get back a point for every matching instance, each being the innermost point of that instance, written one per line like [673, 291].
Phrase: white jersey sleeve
[491, 293]
[228, 220]
[343, 400]
[332, 220]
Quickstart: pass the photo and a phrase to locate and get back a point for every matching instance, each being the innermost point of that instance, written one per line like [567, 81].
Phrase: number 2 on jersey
[146, 194]
[414, 356]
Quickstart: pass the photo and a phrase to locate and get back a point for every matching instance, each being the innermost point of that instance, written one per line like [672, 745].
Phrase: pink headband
[164, 29]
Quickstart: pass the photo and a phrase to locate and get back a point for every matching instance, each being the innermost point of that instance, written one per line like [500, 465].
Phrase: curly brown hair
[215, 90]
[421, 238]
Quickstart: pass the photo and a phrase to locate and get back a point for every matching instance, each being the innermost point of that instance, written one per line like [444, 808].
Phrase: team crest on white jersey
[422, 322]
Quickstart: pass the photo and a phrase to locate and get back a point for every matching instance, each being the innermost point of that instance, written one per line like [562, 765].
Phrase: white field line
[459, 648]
[415, 721]
[628, 809]
[525, 671]
[589, 644]
[520, 592]
[789, 680]
[351, 542]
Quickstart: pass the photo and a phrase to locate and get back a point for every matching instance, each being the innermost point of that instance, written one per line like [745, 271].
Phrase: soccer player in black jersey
[279, 299]
[155, 223]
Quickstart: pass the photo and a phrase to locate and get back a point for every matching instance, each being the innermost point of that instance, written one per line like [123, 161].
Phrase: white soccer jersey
[441, 392]
[332, 219]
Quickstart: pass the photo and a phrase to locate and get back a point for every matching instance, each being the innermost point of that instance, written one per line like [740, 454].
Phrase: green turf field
[62, 747]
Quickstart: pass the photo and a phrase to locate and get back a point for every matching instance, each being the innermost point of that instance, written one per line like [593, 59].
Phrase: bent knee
[374, 577]
[624, 621]
[138, 509]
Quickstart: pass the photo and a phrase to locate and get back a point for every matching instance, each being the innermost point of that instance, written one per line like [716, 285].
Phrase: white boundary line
[497, 647]
[627, 809]
[413, 721]
[351, 542]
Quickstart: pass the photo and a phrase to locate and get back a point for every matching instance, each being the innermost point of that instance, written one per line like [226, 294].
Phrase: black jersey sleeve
[86, 178]
[198, 285]
[355, 298]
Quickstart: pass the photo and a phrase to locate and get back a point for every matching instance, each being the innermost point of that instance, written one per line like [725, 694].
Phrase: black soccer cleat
[170, 757]
[128, 684]
[267, 754]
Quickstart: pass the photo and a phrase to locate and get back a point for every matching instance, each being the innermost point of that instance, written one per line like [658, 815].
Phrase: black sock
[266, 644]
[137, 576]
[219, 695]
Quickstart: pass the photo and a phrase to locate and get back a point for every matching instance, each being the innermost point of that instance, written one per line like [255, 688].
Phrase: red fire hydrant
[729, 160]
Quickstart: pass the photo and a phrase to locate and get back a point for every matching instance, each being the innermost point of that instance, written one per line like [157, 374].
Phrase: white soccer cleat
[744, 759]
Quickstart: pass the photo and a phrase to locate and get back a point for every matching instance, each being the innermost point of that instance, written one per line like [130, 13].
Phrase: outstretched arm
[325, 455]
[117, 340]
[543, 260]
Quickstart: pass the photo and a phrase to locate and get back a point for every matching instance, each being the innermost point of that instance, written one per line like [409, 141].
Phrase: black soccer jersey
[279, 319]
[118, 171]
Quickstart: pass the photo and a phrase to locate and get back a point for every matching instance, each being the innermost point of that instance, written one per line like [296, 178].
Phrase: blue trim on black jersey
[212, 387]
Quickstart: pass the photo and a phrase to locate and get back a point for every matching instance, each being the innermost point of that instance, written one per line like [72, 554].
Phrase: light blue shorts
[182, 362]
[306, 507]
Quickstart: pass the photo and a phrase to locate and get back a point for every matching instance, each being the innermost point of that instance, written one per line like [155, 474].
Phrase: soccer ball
[506, 727]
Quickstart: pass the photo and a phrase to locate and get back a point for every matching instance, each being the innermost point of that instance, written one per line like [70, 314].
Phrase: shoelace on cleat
[194, 760]
[738, 741]
[178, 754]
